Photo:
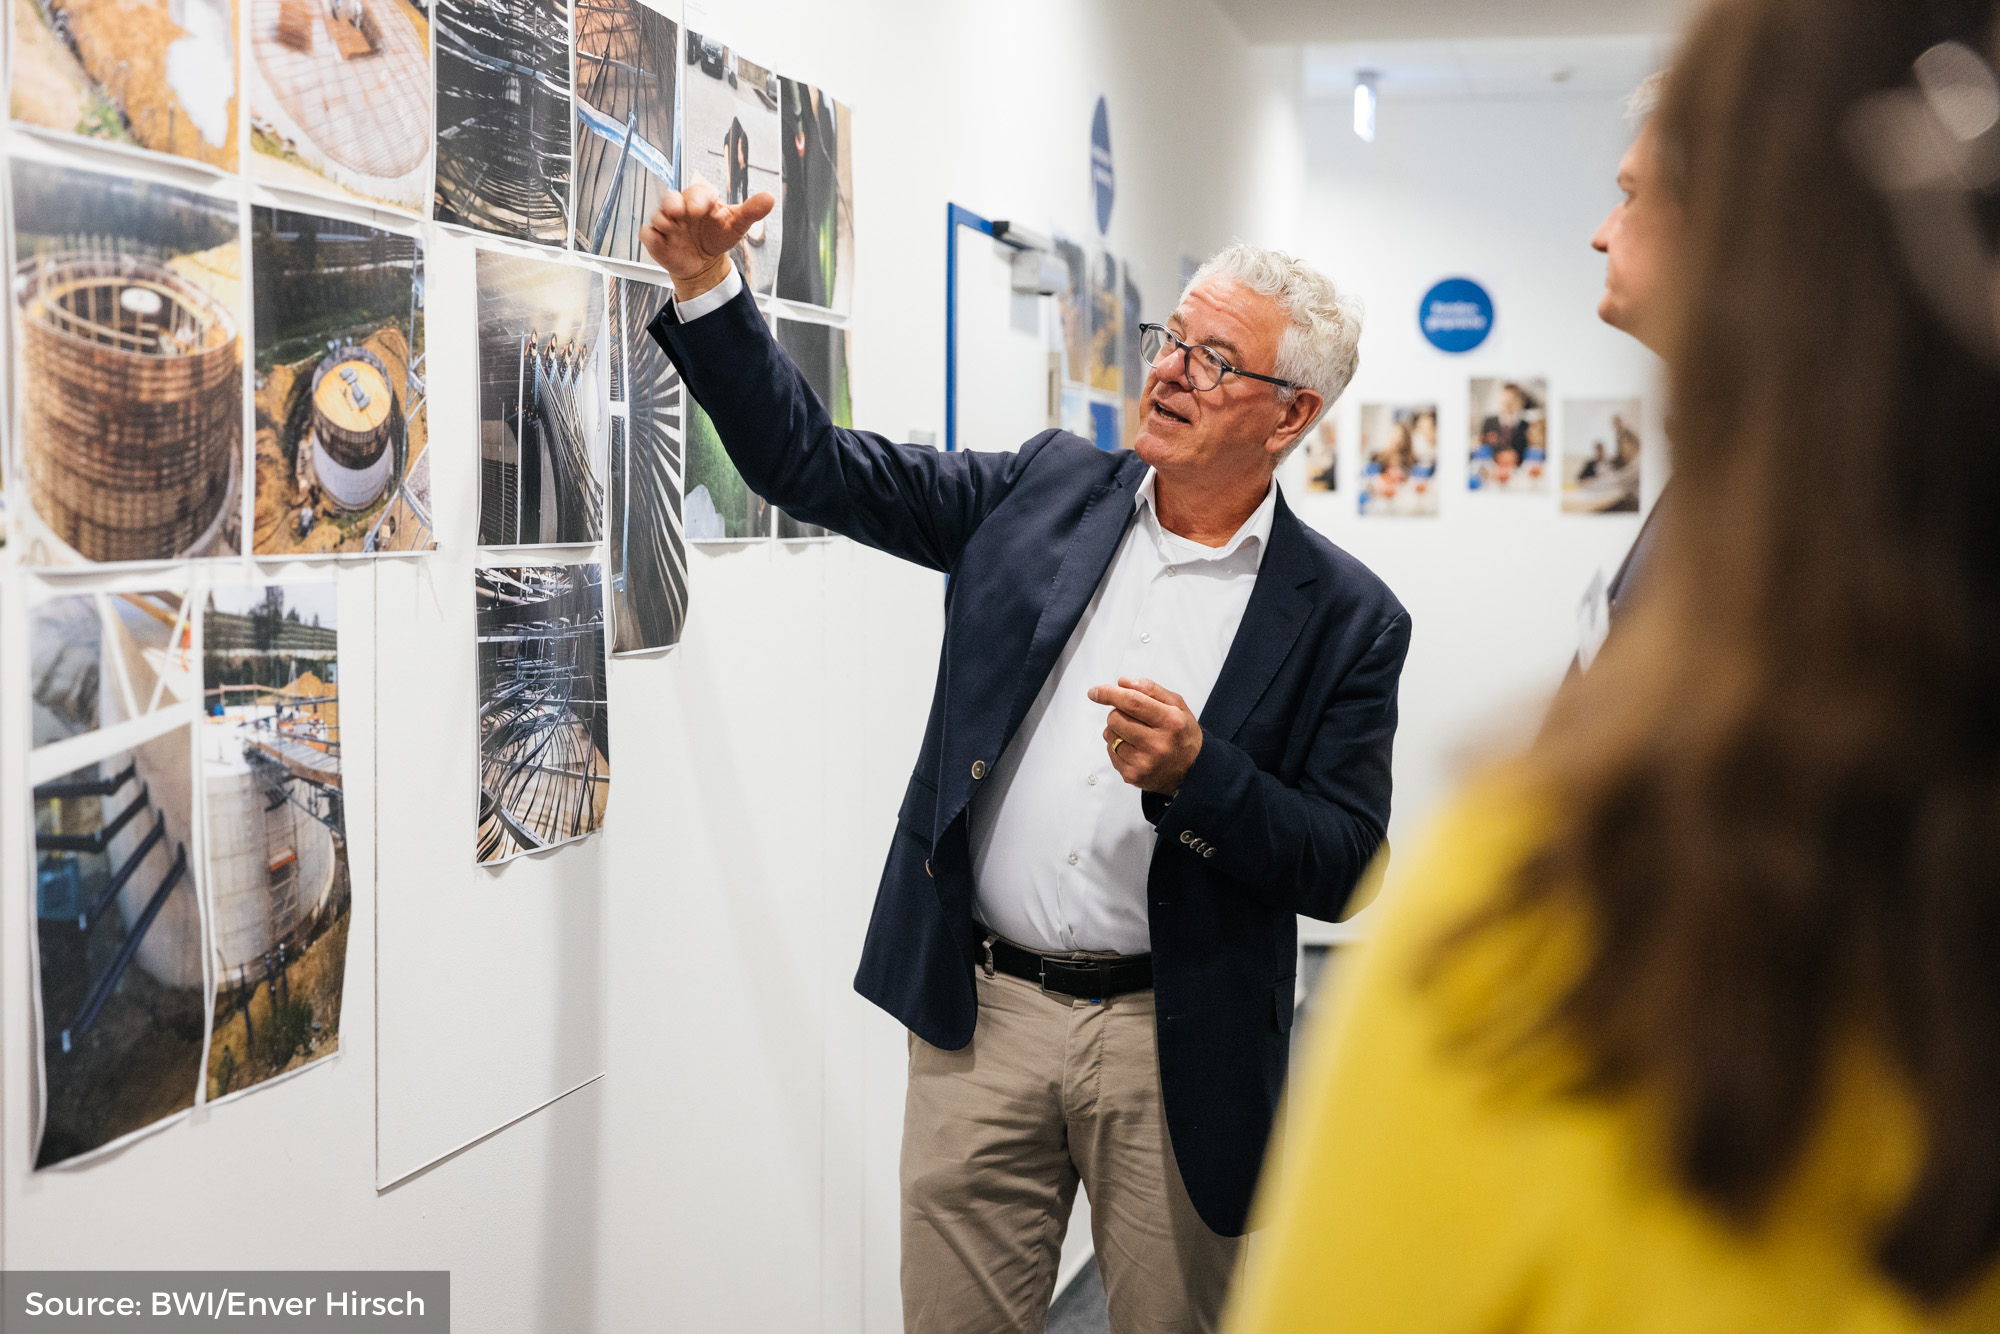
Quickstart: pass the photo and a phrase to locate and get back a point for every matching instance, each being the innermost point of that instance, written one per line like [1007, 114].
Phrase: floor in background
[1080, 1309]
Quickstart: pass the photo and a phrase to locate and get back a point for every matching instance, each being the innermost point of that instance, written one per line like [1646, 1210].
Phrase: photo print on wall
[278, 889]
[503, 111]
[1073, 307]
[730, 130]
[1509, 451]
[544, 408]
[342, 461]
[820, 350]
[627, 145]
[1399, 455]
[1319, 455]
[340, 97]
[128, 310]
[121, 1006]
[1107, 356]
[544, 747]
[154, 76]
[816, 267]
[1134, 359]
[1601, 456]
[649, 587]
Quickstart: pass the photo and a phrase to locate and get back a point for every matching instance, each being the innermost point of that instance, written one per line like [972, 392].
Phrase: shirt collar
[1252, 538]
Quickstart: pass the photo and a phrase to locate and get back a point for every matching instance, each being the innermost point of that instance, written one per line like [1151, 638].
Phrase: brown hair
[1779, 790]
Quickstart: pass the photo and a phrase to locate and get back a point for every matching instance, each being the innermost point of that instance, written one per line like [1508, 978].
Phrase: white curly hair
[1321, 345]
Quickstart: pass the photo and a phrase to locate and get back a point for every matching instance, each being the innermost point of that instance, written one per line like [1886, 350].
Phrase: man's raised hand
[692, 232]
[1152, 734]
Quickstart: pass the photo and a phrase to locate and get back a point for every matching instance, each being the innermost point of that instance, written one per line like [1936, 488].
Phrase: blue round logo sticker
[1456, 315]
[1101, 179]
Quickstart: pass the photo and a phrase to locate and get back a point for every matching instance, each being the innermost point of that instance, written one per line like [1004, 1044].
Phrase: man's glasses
[1202, 367]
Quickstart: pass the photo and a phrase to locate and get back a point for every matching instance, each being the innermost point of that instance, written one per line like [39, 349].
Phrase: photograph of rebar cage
[544, 743]
[278, 887]
[118, 938]
[649, 588]
[543, 404]
[503, 114]
[627, 148]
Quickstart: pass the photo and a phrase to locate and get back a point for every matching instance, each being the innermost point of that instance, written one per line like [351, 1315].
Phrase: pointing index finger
[1133, 704]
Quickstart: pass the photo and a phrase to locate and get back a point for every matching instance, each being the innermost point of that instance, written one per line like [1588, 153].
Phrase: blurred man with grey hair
[1161, 729]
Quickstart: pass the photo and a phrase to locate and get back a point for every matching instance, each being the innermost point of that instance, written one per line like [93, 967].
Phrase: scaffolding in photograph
[504, 138]
[625, 70]
[57, 864]
[544, 772]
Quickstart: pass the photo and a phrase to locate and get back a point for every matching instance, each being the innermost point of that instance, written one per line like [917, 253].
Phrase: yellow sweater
[1415, 1189]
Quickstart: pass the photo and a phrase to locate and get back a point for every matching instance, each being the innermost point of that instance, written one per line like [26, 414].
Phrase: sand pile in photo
[124, 49]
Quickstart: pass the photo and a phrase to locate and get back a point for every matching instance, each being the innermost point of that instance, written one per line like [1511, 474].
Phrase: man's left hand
[1152, 735]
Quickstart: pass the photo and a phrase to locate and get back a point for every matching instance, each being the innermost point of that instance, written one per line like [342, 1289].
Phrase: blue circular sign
[1456, 315]
[1102, 182]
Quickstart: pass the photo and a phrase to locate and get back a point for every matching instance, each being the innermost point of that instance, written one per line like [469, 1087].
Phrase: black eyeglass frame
[1187, 351]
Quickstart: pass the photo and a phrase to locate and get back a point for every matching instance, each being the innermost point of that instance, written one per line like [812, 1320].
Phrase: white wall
[735, 1169]
[1506, 191]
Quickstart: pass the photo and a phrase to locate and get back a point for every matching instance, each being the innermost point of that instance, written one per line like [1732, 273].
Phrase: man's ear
[1297, 416]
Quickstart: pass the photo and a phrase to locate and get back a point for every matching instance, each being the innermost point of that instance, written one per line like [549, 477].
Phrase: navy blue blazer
[1288, 799]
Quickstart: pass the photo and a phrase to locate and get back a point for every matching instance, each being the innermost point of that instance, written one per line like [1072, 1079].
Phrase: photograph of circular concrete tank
[354, 423]
[131, 403]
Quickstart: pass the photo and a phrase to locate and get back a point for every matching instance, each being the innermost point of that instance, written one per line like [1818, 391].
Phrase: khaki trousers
[995, 1139]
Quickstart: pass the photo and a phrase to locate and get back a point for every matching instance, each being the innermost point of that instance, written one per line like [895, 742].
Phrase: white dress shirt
[1060, 847]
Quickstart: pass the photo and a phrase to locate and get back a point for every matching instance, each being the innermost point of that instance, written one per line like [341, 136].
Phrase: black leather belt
[1082, 979]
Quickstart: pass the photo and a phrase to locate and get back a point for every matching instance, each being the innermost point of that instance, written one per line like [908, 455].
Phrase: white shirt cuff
[715, 298]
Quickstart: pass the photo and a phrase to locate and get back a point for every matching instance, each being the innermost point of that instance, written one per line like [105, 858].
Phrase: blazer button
[979, 768]
[927, 869]
[1208, 852]
[1187, 836]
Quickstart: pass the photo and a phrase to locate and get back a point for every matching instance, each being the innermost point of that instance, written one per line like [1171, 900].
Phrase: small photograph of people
[1399, 451]
[1510, 436]
[1600, 458]
[1319, 453]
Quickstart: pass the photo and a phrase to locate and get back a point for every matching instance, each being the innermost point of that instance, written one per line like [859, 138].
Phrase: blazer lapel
[1279, 606]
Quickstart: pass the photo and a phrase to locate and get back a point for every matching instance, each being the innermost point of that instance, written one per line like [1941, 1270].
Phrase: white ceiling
[1402, 20]
[1486, 67]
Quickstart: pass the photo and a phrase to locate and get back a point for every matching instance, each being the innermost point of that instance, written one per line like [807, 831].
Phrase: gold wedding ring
[1116, 742]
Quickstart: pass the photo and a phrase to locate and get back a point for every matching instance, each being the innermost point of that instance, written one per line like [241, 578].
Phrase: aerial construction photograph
[118, 927]
[152, 74]
[278, 888]
[544, 747]
[340, 97]
[128, 307]
[627, 151]
[342, 463]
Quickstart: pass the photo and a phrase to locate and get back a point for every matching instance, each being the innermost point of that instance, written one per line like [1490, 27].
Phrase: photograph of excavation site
[342, 465]
[503, 116]
[278, 889]
[544, 402]
[627, 56]
[154, 74]
[128, 300]
[340, 97]
[544, 725]
[118, 930]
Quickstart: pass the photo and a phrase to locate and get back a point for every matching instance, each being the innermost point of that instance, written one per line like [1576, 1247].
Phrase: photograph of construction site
[503, 117]
[649, 588]
[544, 747]
[153, 74]
[1107, 354]
[340, 97]
[128, 300]
[342, 463]
[821, 353]
[731, 136]
[627, 151]
[278, 888]
[118, 928]
[1073, 307]
[816, 266]
[720, 507]
[544, 402]
[1134, 359]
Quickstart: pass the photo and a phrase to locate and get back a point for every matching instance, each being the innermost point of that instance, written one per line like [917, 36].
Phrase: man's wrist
[707, 280]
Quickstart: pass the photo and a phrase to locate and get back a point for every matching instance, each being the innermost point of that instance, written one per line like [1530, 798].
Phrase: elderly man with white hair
[1161, 729]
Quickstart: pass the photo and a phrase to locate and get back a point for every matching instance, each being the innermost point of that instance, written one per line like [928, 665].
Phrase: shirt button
[1072, 859]
[1171, 572]
[1091, 779]
[1145, 639]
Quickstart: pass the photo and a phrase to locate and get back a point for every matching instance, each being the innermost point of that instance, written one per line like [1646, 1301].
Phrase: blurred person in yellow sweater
[1689, 1019]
